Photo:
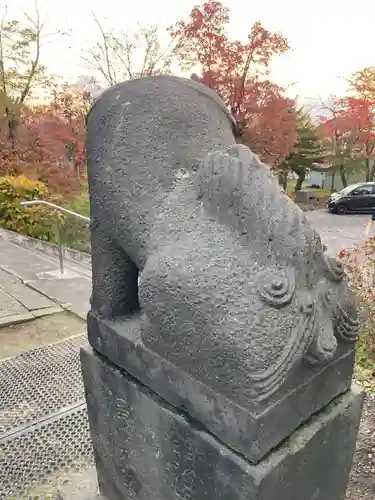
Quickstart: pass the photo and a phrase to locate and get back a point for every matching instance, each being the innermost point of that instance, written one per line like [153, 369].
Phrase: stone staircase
[44, 434]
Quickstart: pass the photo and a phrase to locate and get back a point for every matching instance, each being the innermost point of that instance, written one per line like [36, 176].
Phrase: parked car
[359, 198]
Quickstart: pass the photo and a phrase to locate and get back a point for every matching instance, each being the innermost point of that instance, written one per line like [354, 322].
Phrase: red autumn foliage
[352, 128]
[239, 73]
[270, 125]
[49, 146]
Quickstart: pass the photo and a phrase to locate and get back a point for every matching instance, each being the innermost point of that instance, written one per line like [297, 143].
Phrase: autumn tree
[269, 125]
[126, 55]
[64, 124]
[351, 131]
[50, 143]
[362, 84]
[239, 72]
[360, 115]
[59, 131]
[20, 67]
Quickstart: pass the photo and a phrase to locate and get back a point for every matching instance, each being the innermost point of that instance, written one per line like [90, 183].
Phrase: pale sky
[329, 38]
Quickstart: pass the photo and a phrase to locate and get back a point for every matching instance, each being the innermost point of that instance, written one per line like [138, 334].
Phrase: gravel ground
[362, 478]
[339, 231]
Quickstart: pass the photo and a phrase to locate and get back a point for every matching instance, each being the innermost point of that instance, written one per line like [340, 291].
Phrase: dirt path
[362, 477]
[21, 337]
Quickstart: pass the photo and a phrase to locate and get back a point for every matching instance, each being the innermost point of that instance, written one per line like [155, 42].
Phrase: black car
[359, 198]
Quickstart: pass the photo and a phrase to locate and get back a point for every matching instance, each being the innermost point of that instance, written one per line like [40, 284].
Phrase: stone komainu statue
[192, 231]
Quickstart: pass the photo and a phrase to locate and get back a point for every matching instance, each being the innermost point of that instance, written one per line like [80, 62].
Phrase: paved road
[339, 231]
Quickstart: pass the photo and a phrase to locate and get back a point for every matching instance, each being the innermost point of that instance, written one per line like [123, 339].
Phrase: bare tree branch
[129, 55]
[2, 62]
[38, 27]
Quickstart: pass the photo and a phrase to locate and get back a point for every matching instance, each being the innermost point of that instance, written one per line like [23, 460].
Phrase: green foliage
[75, 232]
[41, 222]
[33, 221]
[81, 204]
[308, 149]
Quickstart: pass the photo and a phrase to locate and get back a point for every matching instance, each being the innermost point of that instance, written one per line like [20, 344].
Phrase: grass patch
[75, 232]
[319, 193]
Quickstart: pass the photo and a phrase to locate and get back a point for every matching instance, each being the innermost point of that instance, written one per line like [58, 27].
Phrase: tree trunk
[281, 175]
[343, 176]
[372, 173]
[368, 170]
[300, 180]
[285, 181]
[12, 127]
[333, 181]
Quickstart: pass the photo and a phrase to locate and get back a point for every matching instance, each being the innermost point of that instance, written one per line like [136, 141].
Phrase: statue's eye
[276, 286]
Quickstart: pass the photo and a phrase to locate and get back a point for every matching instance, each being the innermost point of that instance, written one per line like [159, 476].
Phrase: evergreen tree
[308, 150]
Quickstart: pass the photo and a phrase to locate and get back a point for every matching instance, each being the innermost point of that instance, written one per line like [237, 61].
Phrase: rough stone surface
[232, 280]
[251, 429]
[146, 450]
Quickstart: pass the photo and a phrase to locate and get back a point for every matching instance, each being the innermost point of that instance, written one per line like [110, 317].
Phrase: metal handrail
[58, 209]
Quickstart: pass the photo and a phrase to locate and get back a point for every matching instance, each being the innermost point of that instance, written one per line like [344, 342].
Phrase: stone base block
[145, 449]
[249, 427]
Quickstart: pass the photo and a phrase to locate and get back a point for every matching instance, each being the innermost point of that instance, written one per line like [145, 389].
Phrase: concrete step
[39, 272]
[44, 433]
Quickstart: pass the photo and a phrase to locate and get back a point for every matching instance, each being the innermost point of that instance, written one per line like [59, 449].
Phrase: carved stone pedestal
[249, 426]
[145, 449]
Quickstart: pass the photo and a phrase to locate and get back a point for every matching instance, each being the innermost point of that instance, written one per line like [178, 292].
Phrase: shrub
[360, 269]
[35, 221]
[75, 232]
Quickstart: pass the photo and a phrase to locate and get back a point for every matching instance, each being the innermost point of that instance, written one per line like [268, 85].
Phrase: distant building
[86, 84]
[331, 179]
